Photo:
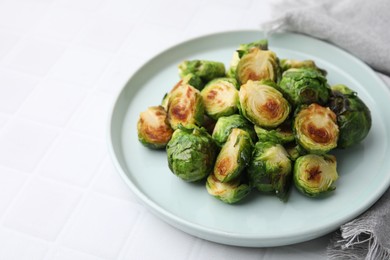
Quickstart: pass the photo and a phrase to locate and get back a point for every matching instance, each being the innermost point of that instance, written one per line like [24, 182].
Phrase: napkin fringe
[356, 241]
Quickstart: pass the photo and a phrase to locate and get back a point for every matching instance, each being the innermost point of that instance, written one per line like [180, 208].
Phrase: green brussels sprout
[270, 169]
[244, 49]
[220, 97]
[185, 106]
[258, 65]
[286, 64]
[262, 104]
[353, 116]
[228, 192]
[225, 124]
[193, 80]
[153, 128]
[281, 135]
[316, 129]
[234, 156]
[304, 86]
[205, 69]
[315, 174]
[191, 153]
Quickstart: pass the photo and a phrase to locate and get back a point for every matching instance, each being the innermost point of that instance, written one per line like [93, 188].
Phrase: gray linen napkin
[362, 28]
[359, 26]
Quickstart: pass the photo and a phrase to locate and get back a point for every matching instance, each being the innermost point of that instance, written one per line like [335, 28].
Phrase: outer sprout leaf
[191, 153]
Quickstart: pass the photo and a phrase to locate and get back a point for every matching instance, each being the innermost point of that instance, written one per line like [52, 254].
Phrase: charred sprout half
[241, 51]
[228, 192]
[258, 64]
[191, 153]
[286, 64]
[225, 124]
[281, 135]
[270, 169]
[353, 116]
[304, 86]
[205, 69]
[185, 106]
[153, 128]
[315, 174]
[234, 156]
[316, 129]
[220, 97]
[263, 104]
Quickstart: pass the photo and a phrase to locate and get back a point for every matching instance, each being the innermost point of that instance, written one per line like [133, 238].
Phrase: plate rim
[219, 236]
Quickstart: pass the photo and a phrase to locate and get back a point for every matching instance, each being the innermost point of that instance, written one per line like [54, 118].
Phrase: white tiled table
[62, 63]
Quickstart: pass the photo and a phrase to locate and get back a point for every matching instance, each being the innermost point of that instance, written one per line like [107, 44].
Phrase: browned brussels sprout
[316, 129]
[185, 106]
[315, 174]
[262, 104]
[153, 128]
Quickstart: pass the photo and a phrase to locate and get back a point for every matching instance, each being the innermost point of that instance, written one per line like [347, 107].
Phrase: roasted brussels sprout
[258, 64]
[315, 174]
[270, 169]
[262, 104]
[191, 153]
[153, 128]
[228, 192]
[234, 156]
[282, 134]
[220, 97]
[185, 106]
[315, 129]
[225, 124]
[243, 49]
[353, 116]
[205, 69]
[304, 86]
[286, 64]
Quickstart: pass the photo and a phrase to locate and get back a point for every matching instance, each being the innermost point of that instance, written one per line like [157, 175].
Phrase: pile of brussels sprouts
[265, 124]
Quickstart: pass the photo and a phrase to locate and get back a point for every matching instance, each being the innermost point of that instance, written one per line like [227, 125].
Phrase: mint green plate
[260, 220]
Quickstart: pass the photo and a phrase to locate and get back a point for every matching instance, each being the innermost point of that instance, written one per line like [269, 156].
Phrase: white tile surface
[11, 183]
[118, 73]
[35, 56]
[61, 24]
[102, 226]
[16, 246]
[109, 182]
[66, 254]
[74, 159]
[158, 245]
[53, 102]
[42, 209]
[91, 118]
[23, 144]
[7, 41]
[14, 89]
[80, 66]
[106, 33]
